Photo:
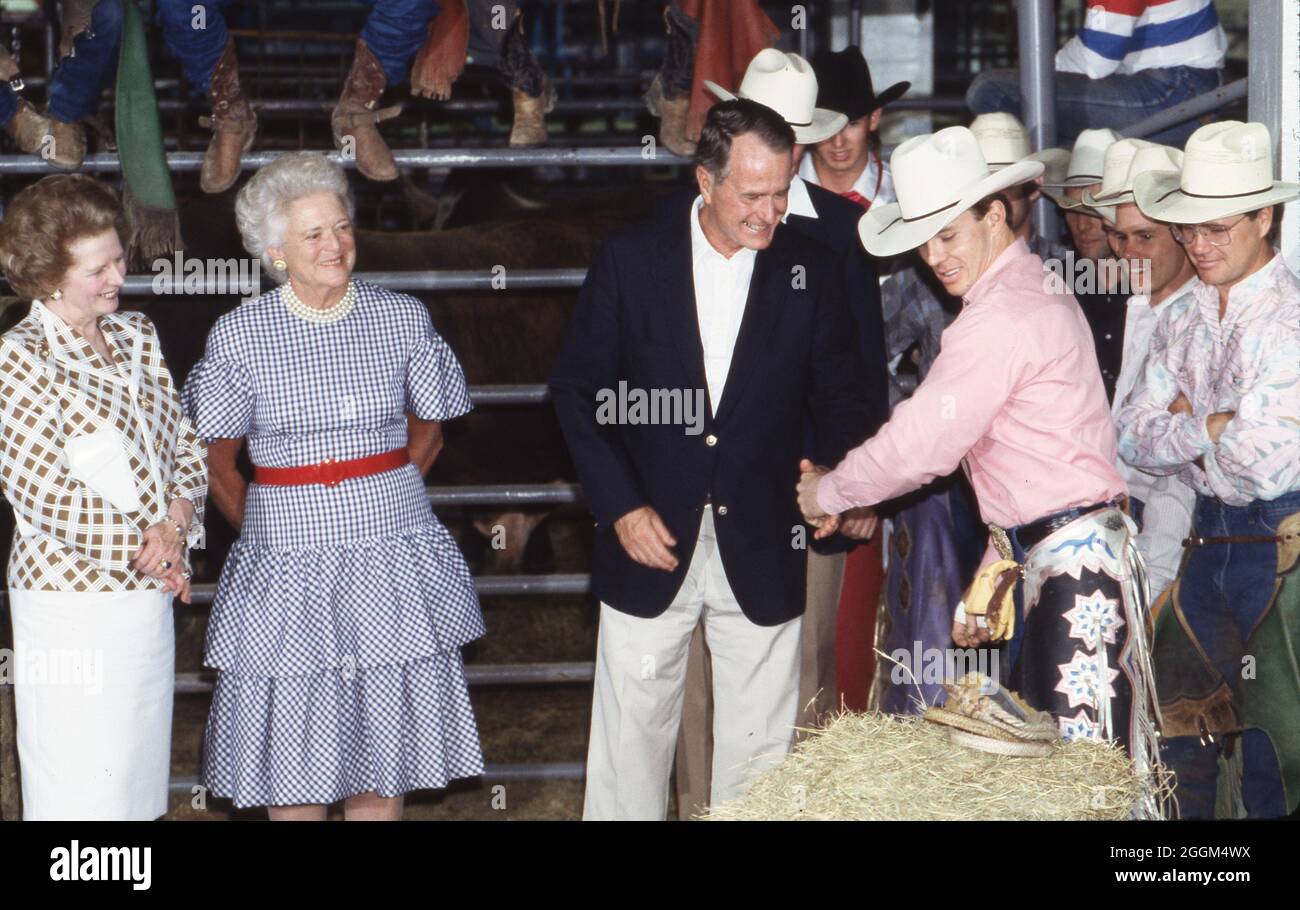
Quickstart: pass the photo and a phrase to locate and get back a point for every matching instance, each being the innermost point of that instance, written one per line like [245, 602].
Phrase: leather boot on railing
[233, 125]
[356, 117]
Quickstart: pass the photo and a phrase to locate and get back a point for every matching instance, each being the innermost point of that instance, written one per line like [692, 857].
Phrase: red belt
[331, 472]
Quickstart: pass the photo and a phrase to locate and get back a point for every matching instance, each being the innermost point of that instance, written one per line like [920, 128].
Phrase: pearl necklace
[313, 314]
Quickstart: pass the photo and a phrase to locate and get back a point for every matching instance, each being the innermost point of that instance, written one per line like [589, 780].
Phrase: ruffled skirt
[340, 669]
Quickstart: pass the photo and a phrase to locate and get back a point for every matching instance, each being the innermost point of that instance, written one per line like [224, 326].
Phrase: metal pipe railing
[499, 395]
[189, 784]
[626, 156]
[300, 106]
[486, 586]
[226, 278]
[536, 494]
[1186, 110]
[1037, 26]
[204, 681]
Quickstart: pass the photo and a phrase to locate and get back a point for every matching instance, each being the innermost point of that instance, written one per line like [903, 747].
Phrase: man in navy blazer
[786, 83]
[711, 300]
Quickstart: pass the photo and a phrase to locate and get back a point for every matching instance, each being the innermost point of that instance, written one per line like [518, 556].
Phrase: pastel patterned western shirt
[1248, 363]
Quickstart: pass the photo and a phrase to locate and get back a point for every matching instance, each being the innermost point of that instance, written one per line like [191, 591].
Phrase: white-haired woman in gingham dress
[342, 608]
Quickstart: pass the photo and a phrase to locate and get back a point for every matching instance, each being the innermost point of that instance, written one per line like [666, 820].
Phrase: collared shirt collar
[1017, 249]
[70, 348]
[1186, 287]
[865, 185]
[1244, 298]
[700, 246]
[799, 202]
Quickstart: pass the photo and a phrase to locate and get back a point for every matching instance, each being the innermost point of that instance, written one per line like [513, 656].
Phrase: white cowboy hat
[786, 83]
[1124, 161]
[937, 177]
[1227, 170]
[1087, 161]
[1003, 140]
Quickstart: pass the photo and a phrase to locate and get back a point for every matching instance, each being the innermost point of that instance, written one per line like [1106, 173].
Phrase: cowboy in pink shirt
[1015, 396]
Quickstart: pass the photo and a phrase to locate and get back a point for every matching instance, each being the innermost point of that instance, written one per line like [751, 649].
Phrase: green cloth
[150, 202]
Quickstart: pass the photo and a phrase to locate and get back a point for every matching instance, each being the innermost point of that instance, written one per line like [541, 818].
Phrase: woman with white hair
[341, 610]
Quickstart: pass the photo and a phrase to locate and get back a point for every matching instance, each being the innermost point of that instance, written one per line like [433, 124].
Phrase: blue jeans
[394, 31]
[78, 80]
[1224, 590]
[1114, 101]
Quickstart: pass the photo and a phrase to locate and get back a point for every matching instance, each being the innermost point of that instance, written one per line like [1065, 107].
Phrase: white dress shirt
[721, 290]
[865, 185]
[1167, 501]
[799, 201]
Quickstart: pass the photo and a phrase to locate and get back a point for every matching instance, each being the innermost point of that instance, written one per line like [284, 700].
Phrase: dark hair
[1275, 229]
[981, 208]
[729, 119]
[45, 220]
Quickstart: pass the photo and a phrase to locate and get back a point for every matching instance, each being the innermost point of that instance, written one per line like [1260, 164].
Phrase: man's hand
[968, 634]
[1215, 424]
[806, 492]
[1181, 405]
[859, 523]
[645, 538]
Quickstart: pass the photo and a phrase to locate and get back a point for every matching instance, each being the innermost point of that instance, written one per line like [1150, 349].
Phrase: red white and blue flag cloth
[1128, 36]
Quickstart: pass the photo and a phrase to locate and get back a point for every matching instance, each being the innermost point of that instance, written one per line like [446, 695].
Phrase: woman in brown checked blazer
[107, 482]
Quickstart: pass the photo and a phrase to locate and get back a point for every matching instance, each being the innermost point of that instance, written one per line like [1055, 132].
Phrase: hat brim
[1055, 163]
[859, 107]
[1107, 204]
[1056, 193]
[1159, 195]
[883, 231]
[825, 124]
[1086, 180]
[889, 95]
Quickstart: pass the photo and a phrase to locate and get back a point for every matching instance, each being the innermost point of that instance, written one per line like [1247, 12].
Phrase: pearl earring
[279, 264]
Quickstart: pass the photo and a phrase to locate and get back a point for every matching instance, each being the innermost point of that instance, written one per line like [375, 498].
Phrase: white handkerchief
[99, 461]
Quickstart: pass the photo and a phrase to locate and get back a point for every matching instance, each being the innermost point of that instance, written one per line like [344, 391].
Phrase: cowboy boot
[233, 125]
[531, 94]
[355, 118]
[29, 129]
[672, 114]
[529, 126]
[67, 144]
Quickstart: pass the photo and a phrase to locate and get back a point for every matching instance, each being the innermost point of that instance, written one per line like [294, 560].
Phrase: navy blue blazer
[836, 227]
[793, 366]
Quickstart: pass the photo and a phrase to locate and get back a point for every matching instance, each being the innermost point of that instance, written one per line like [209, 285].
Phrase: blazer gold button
[710, 440]
[722, 510]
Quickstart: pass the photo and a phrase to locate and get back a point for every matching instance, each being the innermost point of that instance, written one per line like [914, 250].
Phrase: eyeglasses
[1217, 234]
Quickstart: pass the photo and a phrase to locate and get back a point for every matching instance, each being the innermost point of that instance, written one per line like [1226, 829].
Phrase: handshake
[859, 523]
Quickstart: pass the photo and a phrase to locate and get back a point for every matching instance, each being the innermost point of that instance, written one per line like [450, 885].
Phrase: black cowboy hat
[844, 84]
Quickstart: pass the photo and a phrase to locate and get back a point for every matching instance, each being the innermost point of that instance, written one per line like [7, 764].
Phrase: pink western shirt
[1015, 395]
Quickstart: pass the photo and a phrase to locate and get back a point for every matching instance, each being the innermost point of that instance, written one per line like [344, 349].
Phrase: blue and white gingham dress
[341, 611]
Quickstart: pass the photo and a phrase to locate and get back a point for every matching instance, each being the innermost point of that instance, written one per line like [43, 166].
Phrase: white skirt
[93, 680]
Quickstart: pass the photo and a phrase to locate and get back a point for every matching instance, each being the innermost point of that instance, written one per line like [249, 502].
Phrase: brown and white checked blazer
[56, 388]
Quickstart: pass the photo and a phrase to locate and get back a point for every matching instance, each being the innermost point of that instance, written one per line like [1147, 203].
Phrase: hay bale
[875, 767]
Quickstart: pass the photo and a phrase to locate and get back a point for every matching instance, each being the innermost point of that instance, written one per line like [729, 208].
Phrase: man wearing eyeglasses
[1219, 406]
[1160, 275]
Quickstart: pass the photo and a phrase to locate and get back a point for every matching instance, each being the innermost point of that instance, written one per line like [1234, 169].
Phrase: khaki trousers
[816, 683]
